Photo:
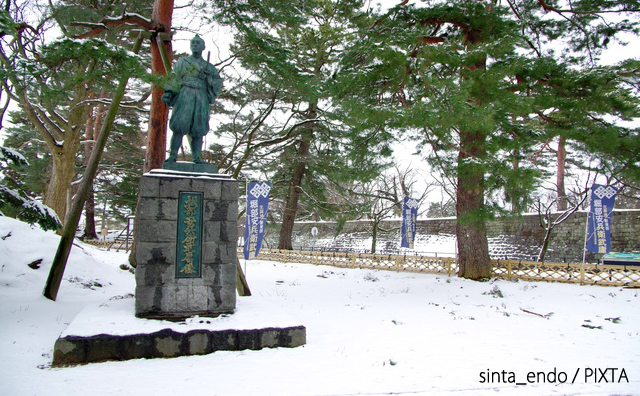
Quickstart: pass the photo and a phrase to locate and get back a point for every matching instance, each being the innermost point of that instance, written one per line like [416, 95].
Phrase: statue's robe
[191, 94]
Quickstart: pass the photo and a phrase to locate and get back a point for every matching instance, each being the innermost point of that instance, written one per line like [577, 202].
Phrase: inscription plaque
[189, 243]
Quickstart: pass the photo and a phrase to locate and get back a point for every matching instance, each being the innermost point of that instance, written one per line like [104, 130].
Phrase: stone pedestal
[184, 166]
[186, 245]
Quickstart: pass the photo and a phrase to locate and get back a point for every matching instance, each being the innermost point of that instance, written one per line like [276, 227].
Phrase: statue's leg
[174, 146]
[196, 149]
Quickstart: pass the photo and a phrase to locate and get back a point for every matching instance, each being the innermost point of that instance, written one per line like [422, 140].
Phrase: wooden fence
[99, 243]
[116, 244]
[584, 274]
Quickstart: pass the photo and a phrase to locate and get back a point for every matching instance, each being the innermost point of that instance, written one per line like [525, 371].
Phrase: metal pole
[246, 213]
[586, 231]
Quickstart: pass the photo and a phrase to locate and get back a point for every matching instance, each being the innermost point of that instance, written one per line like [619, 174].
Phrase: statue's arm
[172, 88]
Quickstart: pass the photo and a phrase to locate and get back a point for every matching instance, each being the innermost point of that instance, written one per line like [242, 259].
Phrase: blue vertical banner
[600, 213]
[409, 215]
[256, 215]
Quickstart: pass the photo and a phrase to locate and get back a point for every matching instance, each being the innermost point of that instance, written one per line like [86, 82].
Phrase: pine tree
[481, 83]
[53, 82]
[120, 168]
[17, 202]
[292, 51]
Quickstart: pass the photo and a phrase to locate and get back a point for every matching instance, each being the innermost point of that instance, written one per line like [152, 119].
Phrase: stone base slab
[112, 332]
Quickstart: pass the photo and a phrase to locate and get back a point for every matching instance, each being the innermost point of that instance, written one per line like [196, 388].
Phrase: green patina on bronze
[192, 88]
[189, 244]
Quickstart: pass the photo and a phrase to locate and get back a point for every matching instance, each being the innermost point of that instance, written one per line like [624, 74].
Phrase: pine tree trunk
[159, 115]
[63, 153]
[515, 196]
[90, 218]
[161, 15]
[293, 196]
[374, 235]
[94, 122]
[157, 137]
[62, 174]
[89, 204]
[473, 247]
[562, 158]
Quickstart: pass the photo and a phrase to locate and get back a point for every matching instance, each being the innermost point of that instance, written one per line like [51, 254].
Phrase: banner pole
[586, 227]
[246, 213]
[241, 281]
[586, 232]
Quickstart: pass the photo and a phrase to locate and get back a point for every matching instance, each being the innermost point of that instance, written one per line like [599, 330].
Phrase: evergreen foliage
[483, 84]
[482, 87]
[53, 81]
[21, 136]
[57, 81]
[17, 203]
[116, 183]
[292, 51]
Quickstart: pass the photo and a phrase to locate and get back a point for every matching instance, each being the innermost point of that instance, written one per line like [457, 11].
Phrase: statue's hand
[204, 73]
[167, 98]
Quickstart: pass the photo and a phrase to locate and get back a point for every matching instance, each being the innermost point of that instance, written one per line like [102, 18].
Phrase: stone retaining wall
[513, 238]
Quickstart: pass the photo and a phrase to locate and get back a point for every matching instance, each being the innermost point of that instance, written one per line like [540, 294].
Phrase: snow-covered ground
[368, 333]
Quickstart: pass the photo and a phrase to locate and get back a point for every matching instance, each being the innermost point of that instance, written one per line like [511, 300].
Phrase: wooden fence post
[582, 274]
[509, 269]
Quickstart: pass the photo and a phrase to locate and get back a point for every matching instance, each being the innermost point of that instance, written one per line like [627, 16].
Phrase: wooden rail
[99, 243]
[583, 274]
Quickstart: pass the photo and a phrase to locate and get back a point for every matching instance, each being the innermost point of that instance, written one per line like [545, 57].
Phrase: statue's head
[197, 43]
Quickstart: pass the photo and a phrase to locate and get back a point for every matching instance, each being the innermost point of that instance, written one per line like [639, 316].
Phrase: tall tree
[52, 81]
[292, 50]
[157, 136]
[561, 173]
[71, 223]
[158, 29]
[73, 16]
[483, 84]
